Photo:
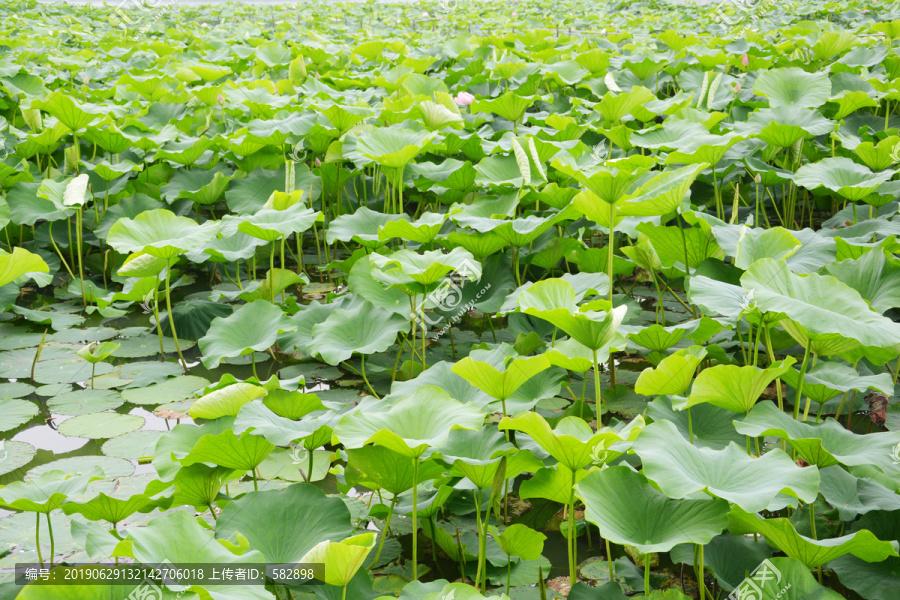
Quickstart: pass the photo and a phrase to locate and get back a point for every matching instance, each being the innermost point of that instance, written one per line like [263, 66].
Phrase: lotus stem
[700, 575]
[690, 426]
[171, 319]
[55, 247]
[387, 526]
[480, 537]
[609, 271]
[573, 548]
[415, 524]
[37, 537]
[647, 574]
[598, 400]
[78, 234]
[162, 352]
[799, 395]
[310, 465]
[255, 482]
[413, 314]
[609, 560]
[253, 363]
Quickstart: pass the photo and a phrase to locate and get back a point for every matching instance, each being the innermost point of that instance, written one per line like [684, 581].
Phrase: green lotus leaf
[478, 454]
[412, 426]
[423, 230]
[520, 540]
[47, 492]
[69, 111]
[244, 452]
[405, 267]
[388, 470]
[732, 387]
[365, 329]
[828, 379]
[284, 525]
[393, 147]
[780, 533]
[160, 233]
[16, 413]
[629, 510]
[776, 243]
[100, 426]
[270, 224]
[509, 105]
[253, 327]
[793, 87]
[852, 496]
[785, 125]
[616, 106]
[500, 385]
[200, 186]
[226, 402]
[572, 442]
[572, 355]
[97, 590]
[608, 184]
[292, 405]
[843, 176]
[822, 305]
[258, 418]
[680, 469]
[177, 538]
[103, 507]
[18, 263]
[673, 375]
[97, 352]
[342, 559]
[15, 455]
[875, 275]
[822, 444]
[362, 227]
[553, 300]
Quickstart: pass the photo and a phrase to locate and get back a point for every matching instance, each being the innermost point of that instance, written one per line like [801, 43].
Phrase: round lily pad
[111, 380]
[100, 426]
[67, 368]
[15, 389]
[13, 337]
[81, 336]
[174, 410]
[17, 363]
[16, 412]
[132, 445]
[147, 372]
[52, 389]
[171, 390]
[111, 467]
[82, 402]
[14, 455]
[147, 344]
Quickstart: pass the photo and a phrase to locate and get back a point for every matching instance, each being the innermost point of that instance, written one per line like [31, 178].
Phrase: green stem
[78, 235]
[573, 556]
[387, 526]
[647, 574]
[480, 535]
[415, 528]
[162, 352]
[171, 320]
[52, 544]
[799, 396]
[609, 560]
[37, 538]
[597, 396]
[700, 575]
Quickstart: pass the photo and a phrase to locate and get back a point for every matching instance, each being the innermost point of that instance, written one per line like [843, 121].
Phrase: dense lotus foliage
[458, 299]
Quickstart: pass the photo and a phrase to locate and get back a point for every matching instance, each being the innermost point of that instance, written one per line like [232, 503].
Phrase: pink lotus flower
[464, 98]
[220, 99]
[745, 60]
[318, 162]
[86, 80]
[514, 13]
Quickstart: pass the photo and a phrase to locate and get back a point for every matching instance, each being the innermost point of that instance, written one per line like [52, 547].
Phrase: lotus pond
[453, 300]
